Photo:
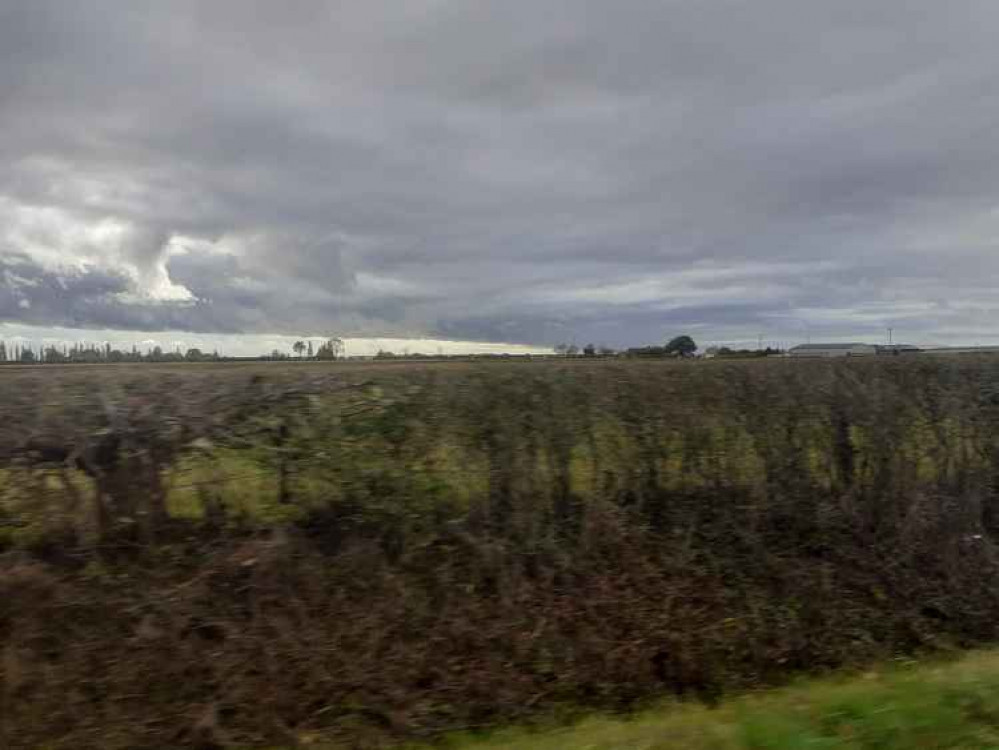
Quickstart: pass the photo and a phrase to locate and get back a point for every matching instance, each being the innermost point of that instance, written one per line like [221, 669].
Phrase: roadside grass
[930, 705]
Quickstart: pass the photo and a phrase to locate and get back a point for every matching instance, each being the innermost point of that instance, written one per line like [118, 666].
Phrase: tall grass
[954, 705]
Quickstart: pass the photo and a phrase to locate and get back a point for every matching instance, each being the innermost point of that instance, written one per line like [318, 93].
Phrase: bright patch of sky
[237, 345]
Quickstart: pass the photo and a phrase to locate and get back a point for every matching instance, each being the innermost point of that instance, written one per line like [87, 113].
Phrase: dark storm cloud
[85, 299]
[504, 170]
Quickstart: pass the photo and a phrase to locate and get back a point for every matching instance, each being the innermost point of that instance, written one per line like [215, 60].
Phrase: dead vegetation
[240, 557]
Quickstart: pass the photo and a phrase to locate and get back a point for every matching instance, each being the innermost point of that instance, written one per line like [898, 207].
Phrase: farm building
[834, 350]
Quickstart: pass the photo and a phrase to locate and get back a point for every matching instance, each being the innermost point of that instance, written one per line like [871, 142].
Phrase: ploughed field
[249, 555]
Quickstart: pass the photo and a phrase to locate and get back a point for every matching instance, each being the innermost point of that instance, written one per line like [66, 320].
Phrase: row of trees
[22, 353]
[330, 349]
[729, 353]
[679, 346]
[17, 353]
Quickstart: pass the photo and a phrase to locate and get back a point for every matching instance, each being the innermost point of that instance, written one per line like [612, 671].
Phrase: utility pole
[890, 333]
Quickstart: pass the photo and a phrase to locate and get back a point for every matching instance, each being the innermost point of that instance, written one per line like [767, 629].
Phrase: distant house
[834, 350]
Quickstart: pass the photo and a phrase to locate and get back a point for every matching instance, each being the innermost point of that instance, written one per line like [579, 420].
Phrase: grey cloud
[503, 170]
[83, 298]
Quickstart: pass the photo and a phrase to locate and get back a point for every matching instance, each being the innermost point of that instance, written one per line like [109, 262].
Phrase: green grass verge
[950, 705]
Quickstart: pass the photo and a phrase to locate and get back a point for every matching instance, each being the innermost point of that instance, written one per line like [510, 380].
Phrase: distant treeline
[94, 354]
[725, 351]
[333, 349]
[18, 353]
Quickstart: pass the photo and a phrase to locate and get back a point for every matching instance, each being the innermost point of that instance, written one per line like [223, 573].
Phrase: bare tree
[331, 349]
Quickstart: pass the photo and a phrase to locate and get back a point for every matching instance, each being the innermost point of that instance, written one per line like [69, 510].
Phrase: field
[249, 555]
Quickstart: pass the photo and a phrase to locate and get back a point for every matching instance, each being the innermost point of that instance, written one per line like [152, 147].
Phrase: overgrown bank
[397, 552]
[952, 706]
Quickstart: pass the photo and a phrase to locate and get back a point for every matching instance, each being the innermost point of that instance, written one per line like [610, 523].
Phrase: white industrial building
[834, 350]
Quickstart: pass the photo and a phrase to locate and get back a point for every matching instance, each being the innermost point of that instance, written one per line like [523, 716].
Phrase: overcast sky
[526, 171]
